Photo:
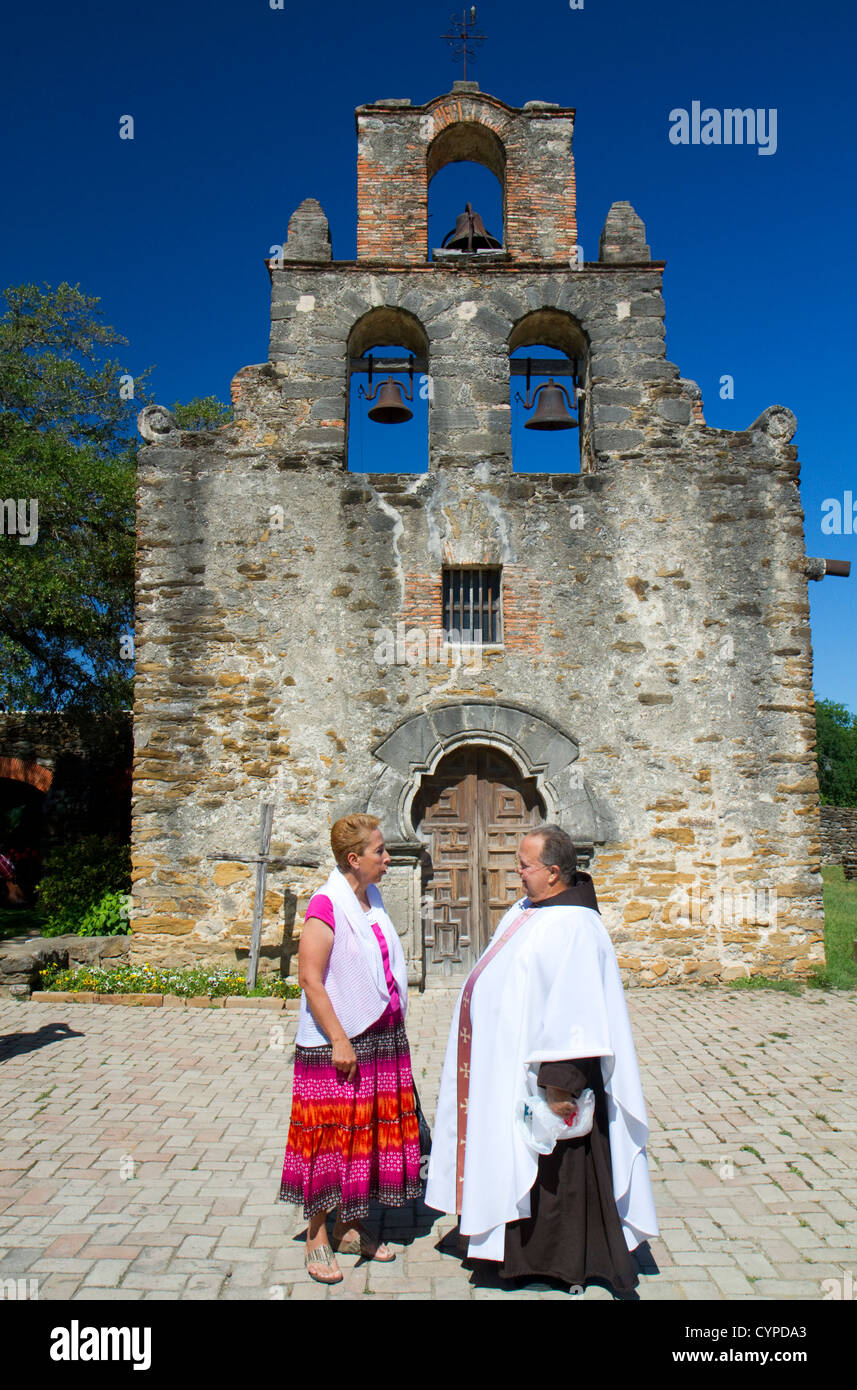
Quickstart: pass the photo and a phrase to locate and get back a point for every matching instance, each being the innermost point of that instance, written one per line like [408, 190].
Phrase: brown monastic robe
[573, 1232]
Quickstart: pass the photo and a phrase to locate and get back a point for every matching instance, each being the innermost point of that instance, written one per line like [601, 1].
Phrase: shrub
[107, 917]
[83, 887]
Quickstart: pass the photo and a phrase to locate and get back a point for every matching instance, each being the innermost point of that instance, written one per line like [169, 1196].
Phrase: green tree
[837, 753]
[68, 448]
[67, 460]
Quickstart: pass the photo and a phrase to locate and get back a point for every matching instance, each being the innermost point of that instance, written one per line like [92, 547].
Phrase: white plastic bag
[541, 1128]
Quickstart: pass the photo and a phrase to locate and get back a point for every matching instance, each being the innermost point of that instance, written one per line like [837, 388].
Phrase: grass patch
[765, 982]
[840, 931]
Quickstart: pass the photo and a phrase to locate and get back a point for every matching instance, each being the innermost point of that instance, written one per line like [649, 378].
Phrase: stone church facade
[644, 671]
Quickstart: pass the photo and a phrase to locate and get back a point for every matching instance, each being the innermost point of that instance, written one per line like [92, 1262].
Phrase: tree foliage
[67, 454]
[837, 753]
[68, 446]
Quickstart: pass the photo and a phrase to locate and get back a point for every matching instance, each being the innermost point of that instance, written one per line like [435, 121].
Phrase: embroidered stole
[465, 1043]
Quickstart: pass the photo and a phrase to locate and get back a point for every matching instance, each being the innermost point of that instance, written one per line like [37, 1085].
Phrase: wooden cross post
[259, 893]
[262, 860]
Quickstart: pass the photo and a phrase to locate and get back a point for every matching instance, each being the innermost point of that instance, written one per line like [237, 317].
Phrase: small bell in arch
[390, 408]
[551, 413]
[469, 234]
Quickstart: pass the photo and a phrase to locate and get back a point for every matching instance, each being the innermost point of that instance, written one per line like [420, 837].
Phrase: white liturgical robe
[552, 992]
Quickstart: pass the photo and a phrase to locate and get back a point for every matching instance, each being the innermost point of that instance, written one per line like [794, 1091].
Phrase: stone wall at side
[838, 833]
[656, 620]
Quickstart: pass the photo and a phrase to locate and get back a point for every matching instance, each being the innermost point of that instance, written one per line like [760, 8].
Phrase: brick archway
[401, 147]
[26, 770]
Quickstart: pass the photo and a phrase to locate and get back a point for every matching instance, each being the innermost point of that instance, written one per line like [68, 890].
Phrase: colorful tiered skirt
[354, 1142]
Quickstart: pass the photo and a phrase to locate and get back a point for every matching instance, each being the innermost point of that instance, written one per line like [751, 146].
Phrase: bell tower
[401, 147]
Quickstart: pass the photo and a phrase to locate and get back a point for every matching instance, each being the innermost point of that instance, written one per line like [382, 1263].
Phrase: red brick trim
[34, 774]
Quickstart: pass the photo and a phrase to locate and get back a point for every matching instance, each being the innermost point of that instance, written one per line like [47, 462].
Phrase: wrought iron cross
[463, 36]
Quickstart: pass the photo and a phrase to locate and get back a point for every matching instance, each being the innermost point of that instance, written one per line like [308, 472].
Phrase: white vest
[354, 977]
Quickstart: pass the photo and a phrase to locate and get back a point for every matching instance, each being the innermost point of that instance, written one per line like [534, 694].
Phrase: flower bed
[145, 979]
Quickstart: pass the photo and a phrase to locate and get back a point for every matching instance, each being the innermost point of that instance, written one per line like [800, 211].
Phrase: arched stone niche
[537, 747]
[387, 326]
[466, 140]
[556, 328]
[386, 323]
[413, 750]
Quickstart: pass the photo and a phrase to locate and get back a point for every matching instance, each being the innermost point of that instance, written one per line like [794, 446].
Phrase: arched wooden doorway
[471, 813]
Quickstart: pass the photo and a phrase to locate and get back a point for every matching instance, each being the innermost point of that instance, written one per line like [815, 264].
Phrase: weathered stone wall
[82, 764]
[657, 623]
[838, 833]
[671, 641]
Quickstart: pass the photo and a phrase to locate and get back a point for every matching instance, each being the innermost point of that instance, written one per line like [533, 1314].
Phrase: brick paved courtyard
[142, 1151]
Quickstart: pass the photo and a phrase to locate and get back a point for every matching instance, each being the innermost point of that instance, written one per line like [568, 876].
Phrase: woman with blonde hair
[354, 1133]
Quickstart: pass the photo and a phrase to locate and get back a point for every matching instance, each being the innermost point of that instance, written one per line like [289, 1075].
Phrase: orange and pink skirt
[354, 1142]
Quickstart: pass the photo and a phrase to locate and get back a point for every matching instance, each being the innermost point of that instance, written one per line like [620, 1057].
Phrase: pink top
[320, 906]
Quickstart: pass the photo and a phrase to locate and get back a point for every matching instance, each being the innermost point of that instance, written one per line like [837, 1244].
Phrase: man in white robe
[551, 994]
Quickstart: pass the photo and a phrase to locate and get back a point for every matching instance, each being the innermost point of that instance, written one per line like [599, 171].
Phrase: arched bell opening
[388, 393]
[548, 394]
[471, 813]
[466, 176]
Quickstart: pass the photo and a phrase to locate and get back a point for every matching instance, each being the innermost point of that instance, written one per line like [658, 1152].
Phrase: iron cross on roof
[463, 36]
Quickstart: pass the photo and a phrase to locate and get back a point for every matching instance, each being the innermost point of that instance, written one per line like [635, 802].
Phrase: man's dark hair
[557, 848]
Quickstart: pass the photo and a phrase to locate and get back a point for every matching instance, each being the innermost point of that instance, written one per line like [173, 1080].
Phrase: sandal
[363, 1246]
[322, 1255]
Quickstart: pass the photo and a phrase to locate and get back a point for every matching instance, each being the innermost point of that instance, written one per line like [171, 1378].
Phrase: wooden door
[472, 814]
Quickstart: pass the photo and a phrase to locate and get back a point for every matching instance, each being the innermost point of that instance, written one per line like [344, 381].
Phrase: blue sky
[241, 111]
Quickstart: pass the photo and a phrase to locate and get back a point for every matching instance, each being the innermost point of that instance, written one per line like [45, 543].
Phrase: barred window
[472, 610]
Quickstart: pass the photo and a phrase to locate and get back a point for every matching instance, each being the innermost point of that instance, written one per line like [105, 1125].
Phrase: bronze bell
[390, 408]
[551, 413]
[469, 234]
